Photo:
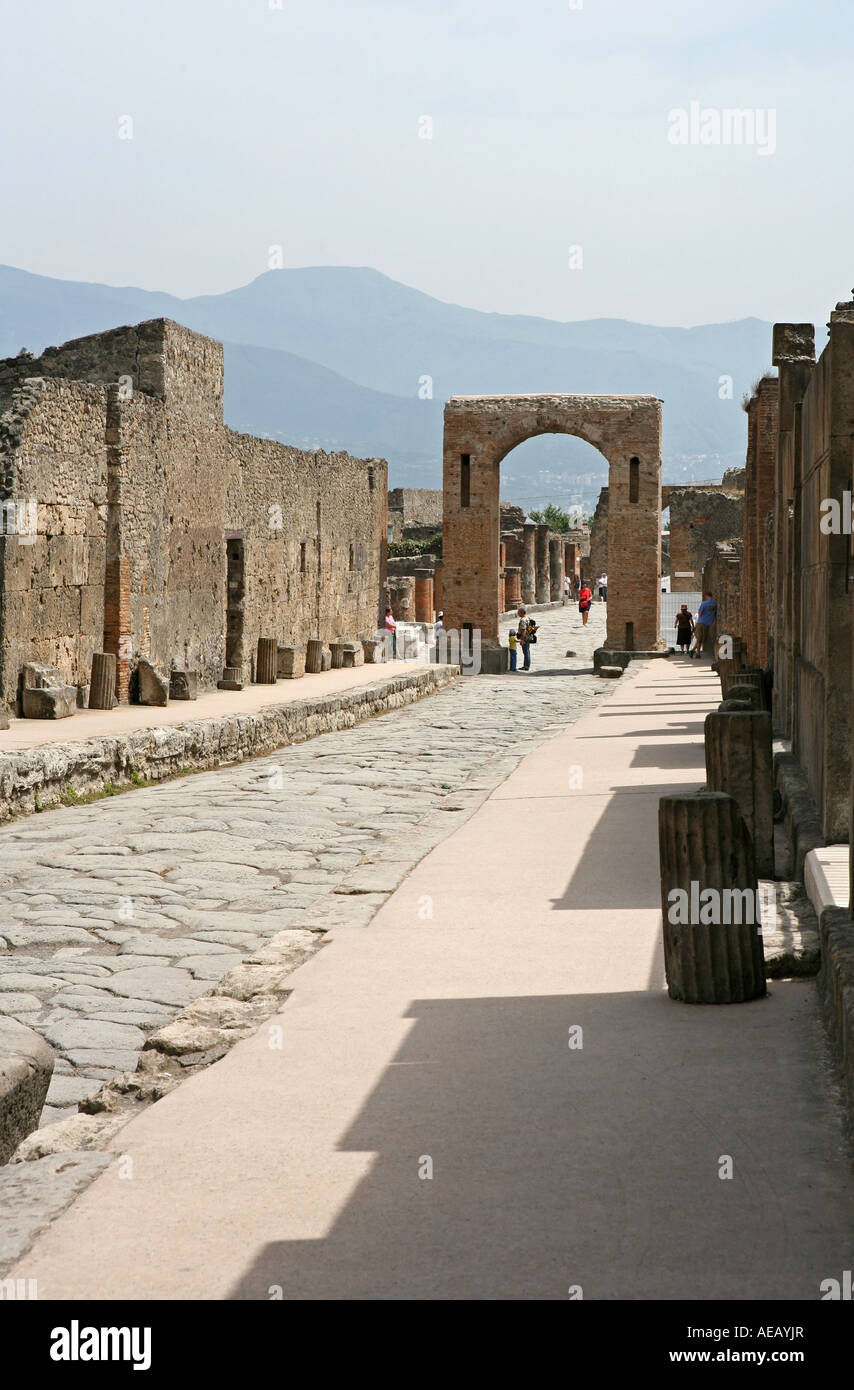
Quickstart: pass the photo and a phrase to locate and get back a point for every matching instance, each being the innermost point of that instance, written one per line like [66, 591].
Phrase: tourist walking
[567, 588]
[511, 642]
[684, 628]
[602, 582]
[585, 598]
[706, 614]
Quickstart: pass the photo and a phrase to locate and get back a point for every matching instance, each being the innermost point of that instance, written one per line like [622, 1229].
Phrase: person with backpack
[526, 636]
[585, 598]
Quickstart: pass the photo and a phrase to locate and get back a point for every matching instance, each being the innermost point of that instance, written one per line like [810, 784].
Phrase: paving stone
[70, 1090]
[32, 1194]
[113, 1058]
[92, 1033]
[162, 984]
[12, 1003]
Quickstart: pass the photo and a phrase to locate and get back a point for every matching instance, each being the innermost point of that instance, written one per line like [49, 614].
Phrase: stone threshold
[48, 775]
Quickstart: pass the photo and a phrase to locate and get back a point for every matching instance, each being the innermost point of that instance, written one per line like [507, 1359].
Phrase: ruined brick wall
[53, 457]
[597, 561]
[176, 488]
[722, 577]
[414, 509]
[699, 518]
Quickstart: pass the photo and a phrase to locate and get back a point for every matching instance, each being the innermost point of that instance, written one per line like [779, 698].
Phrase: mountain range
[345, 358]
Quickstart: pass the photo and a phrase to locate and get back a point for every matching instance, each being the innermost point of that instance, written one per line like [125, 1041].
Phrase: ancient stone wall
[414, 511]
[812, 645]
[167, 490]
[699, 518]
[53, 472]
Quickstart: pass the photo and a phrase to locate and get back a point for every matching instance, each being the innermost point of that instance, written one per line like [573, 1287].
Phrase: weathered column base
[709, 901]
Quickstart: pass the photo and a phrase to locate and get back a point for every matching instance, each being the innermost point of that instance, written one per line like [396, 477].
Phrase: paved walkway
[211, 704]
[437, 1040]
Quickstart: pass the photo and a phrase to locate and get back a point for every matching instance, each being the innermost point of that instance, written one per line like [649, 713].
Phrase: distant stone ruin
[133, 522]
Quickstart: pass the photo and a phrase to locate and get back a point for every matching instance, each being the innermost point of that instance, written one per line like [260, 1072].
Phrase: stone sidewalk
[488, 1093]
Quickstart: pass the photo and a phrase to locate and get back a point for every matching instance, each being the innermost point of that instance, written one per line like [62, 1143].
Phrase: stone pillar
[437, 587]
[543, 583]
[102, 688]
[555, 569]
[529, 563]
[502, 593]
[711, 954]
[634, 535]
[513, 587]
[739, 762]
[267, 661]
[401, 597]
[423, 596]
[314, 655]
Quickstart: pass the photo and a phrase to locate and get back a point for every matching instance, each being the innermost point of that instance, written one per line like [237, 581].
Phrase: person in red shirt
[585, 598]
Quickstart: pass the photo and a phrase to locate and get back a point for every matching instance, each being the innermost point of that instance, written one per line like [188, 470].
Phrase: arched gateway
[480, 430]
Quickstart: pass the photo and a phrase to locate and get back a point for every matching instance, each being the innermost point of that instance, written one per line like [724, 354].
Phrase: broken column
[314, 653]
[401, 598]
[102, 687]
[739, 762]
[529, 563]
[730, 678]
[709, 901]
[266, 661]
[543, 583]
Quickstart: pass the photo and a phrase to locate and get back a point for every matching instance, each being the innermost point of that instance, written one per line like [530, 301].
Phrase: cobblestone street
[116, 914]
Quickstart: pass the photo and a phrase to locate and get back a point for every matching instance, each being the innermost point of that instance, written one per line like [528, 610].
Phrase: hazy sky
[260, 123]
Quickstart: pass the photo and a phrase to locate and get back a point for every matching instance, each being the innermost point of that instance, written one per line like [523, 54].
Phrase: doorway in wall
[235, 598]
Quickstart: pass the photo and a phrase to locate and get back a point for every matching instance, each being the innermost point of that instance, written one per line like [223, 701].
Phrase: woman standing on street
[585, 598]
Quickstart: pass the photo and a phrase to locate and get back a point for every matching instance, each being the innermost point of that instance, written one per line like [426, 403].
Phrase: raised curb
[26, 1066]
[800, 817]
[37, 778]
[836, 988]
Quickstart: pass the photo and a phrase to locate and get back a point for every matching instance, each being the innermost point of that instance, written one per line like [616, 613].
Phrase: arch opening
[626, 430]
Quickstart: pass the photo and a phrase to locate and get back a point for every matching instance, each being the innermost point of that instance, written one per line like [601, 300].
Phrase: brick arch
[481, 430]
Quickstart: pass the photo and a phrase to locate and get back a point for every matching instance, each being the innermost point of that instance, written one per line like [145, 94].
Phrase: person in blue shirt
[706, 614]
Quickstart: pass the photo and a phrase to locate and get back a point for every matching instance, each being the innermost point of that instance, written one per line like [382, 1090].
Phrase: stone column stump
[712, 943]
[739, 762]
[266, 661]
[102, 687]
[314, 655]
[729, 679]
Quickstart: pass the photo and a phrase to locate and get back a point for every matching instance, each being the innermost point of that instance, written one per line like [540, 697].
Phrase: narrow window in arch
[634, 479]
[465, 480]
